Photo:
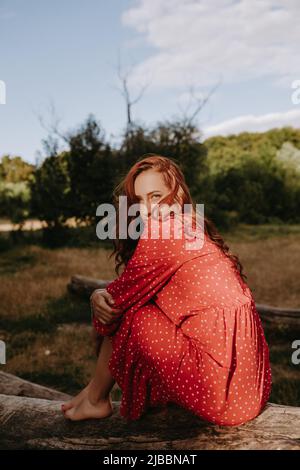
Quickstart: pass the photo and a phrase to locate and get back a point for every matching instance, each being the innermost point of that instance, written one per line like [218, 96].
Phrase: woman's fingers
[106, 316]
[101, 315]
[108, 297]
[103, 301]
[103, 308]
[106, 310]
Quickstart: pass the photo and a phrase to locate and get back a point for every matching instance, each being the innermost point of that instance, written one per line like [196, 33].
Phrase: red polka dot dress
[190, 333]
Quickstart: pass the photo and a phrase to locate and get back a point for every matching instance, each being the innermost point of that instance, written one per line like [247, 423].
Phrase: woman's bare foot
[75, 400]
[87, 409]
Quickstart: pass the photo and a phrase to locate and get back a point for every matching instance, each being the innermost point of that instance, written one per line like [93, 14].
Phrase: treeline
[15, 194]
[250, 177]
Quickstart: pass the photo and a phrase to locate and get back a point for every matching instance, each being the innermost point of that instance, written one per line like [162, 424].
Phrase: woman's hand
[102, 307]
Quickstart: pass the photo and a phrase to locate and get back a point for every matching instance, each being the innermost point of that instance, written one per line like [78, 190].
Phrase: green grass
[66, 309]
[245, 232]
[12, 262]
[286, 392]
[68, 380]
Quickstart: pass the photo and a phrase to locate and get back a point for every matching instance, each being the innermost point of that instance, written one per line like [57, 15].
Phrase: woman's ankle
[96, 396]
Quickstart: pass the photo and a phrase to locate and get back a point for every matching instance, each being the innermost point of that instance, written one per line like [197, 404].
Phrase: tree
[91, 167]
[14, 189]
[181, 141]
[50, 189]
[14, 169]
[254, 191]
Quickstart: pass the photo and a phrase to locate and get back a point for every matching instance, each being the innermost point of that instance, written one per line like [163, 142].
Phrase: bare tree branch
[53, 123]
[188, 119]
[124, 77]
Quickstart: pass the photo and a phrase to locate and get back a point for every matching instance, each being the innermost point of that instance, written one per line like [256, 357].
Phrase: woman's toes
[69, 413]
[75, 401]
[87, 410]
[67, 406]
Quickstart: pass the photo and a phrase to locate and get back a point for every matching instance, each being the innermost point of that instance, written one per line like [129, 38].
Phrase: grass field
[48, 332]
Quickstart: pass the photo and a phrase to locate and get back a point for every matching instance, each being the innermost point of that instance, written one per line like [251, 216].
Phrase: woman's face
[150, 189]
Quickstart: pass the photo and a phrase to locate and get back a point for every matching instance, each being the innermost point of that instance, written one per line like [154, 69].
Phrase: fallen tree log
[12, 385]
[84, 286]
[34, 423]
[283, 316]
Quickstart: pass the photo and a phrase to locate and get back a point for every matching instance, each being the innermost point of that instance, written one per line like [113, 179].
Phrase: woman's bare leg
[102, 382]
[98, 341]
[94, 400]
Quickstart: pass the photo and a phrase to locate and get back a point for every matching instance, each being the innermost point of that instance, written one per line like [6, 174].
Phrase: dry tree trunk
[35, 423]
[38, 423]
[12, 385]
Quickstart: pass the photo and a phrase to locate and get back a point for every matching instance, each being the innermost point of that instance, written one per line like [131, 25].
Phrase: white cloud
[252, 123]
[204, 40]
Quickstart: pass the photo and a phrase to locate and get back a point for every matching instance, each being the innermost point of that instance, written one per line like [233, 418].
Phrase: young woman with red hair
[179, 325]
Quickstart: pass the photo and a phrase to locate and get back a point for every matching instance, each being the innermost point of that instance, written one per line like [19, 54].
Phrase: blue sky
[65, 53]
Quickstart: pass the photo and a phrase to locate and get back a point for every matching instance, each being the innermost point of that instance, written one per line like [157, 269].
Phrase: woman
[179, 325]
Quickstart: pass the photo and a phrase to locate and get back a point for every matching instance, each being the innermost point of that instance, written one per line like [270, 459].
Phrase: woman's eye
[156, 195]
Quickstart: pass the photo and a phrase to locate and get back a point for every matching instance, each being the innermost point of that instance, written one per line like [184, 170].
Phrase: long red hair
[179, 193]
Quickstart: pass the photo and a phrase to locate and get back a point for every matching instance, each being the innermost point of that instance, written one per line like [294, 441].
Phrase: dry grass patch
[273, 269]
[26, 289]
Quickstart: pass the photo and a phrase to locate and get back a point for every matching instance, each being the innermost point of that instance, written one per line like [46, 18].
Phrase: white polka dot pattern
[190, 333]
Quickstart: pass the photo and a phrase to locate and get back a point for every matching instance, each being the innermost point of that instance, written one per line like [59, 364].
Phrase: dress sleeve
[162, 248]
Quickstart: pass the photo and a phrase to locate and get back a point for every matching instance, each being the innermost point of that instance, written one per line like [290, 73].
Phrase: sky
[59, 63]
